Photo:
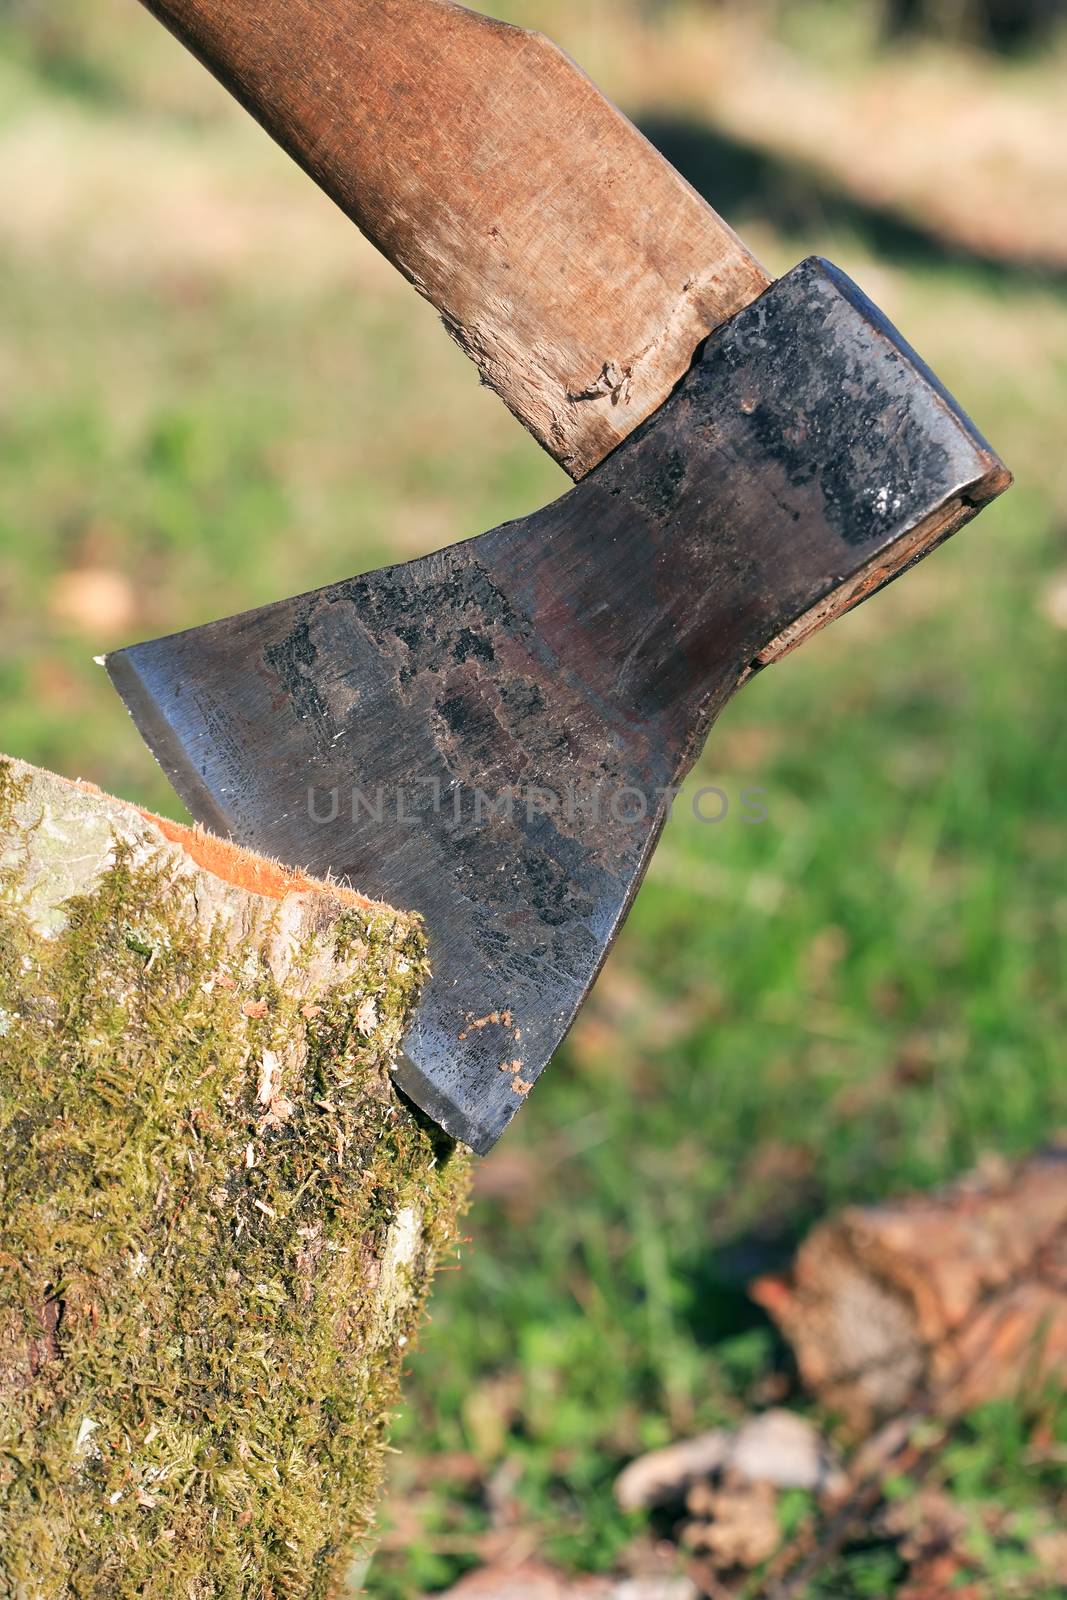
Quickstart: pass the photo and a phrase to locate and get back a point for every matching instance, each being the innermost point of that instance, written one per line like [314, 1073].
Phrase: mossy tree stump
[219, 1221]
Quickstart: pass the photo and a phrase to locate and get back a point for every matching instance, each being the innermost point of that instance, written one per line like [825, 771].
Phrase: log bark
[945, 1300]
[219, 1221]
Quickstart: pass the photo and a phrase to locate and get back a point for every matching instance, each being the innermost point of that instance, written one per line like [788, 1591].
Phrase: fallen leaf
[95, 600]
[532, 1581]
[1054, 601]
[777, 1447]
[1050, 1552]
[528, 1582]
[925, 1524]
[786, 1450]
[661, 1476]
[737, 1525]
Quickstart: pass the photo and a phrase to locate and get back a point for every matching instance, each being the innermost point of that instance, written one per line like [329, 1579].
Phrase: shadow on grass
[720, 1307]
[741, 180]
[1007, 27]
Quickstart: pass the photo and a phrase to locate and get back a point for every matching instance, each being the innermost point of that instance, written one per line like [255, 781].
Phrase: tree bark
[947, 1300]
[218, 1221]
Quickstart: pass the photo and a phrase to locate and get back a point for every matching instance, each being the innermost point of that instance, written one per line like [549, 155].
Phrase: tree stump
[218, 1220]
[948, 1299]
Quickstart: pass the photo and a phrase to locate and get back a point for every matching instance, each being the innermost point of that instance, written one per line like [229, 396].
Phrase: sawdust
[498, 1019]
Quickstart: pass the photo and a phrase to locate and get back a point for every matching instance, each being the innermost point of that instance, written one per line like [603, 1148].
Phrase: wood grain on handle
[566, 256]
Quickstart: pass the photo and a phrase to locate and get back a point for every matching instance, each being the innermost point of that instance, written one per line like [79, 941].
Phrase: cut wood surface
[948, 1299]
[218, 1221]
[565, 255]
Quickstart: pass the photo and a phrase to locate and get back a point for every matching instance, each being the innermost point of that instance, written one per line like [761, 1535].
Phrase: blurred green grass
[212, 394]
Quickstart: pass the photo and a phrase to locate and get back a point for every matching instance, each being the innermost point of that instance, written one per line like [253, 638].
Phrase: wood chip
[367, 1016]
[270, 1075]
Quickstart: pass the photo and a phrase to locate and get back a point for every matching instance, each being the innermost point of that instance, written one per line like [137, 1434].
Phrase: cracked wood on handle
[574, 265]
[219, 1220]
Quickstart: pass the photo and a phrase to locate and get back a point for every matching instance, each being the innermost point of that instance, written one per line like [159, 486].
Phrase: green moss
[217, 1232]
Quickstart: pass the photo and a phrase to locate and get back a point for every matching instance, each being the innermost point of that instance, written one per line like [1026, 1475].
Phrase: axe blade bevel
[491, 735]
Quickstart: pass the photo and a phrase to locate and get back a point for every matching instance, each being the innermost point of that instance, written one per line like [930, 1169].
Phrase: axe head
[492, 735]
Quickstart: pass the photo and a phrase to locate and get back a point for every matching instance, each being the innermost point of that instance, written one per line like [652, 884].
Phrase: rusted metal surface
[573, 660]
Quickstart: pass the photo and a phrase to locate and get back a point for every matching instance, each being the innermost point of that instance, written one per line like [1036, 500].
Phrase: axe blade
[492, 735]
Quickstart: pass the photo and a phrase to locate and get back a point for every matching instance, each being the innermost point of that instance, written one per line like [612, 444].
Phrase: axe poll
[492, 735]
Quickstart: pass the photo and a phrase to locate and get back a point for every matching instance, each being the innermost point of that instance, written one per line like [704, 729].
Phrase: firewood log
[948, 1299]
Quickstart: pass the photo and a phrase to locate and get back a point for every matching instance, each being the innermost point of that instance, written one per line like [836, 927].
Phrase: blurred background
[213, 394]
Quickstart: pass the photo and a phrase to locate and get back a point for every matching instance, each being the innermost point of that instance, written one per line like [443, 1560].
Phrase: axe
[493, 734]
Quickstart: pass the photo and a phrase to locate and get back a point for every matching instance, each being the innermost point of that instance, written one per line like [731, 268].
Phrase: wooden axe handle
[566, 256]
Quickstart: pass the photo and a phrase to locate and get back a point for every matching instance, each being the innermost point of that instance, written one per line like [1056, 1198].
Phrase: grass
[211, 388]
